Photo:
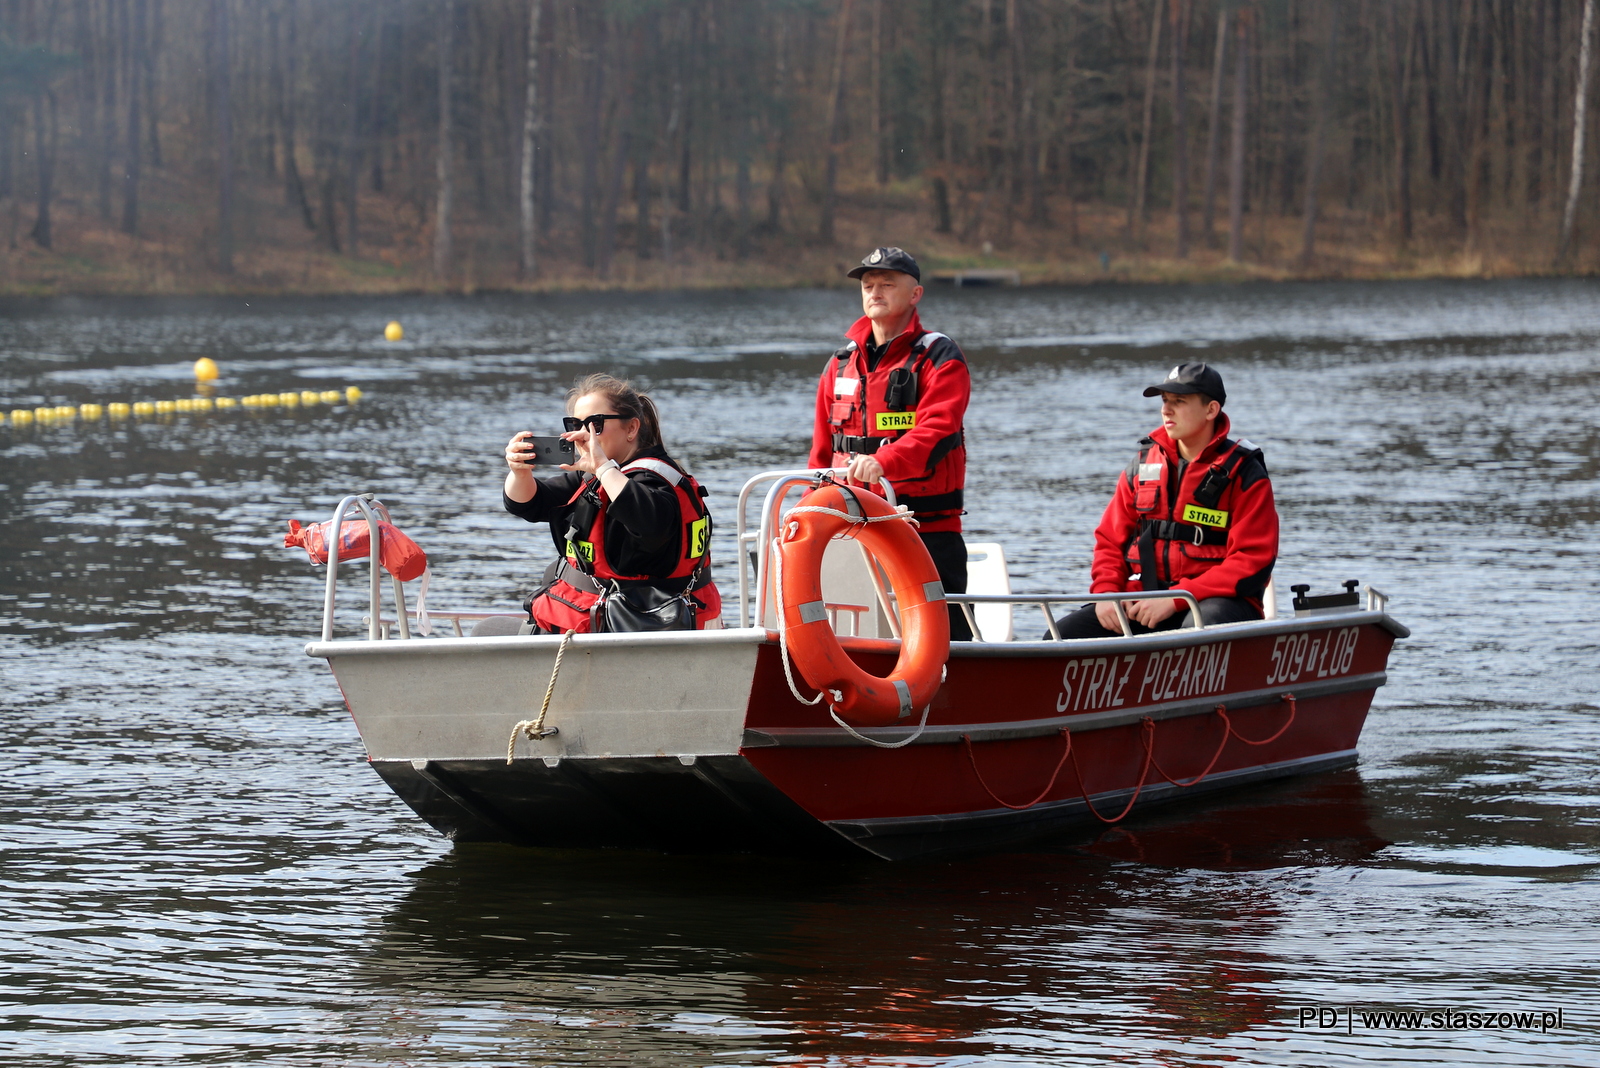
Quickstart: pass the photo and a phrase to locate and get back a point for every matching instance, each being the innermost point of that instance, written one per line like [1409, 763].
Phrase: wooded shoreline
[258, 146]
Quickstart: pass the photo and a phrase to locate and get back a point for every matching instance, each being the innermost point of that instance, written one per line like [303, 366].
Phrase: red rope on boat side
[973, 760]
[1149, 729]
[1289, 697]
[1227, 729]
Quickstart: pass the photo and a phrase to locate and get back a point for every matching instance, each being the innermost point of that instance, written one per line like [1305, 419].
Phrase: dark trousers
[949, 552]
[1213, 610]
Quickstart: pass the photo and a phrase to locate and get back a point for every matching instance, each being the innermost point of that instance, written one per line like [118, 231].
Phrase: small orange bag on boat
[400, 556]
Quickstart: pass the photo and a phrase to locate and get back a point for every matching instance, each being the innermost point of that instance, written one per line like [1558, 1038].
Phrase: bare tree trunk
[1180, 133]
[1241, 70]
[44, 149]
[222, 101]
[941, 182]
[835, 105]
[593, 107]
[442, 252]
[880, 151]
[1141, 175]
[1214, 129]
[352, 131]
[780, 94]
[628, 62]
[1402, 129]
[530, 135]
[283, 78]
[152, 50]
[108, 112]
[1580, 114]
[1319, 136]
[130, 170]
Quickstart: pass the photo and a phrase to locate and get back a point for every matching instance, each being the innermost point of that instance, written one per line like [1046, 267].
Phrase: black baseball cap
[1191, 378]
[887, 259]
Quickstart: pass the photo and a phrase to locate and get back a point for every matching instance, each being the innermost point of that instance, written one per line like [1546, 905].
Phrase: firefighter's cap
[1191, 378]
[887, 259]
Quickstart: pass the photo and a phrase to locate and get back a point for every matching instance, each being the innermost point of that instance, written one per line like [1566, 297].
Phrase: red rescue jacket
[566, 604]
[1208, 526]
[914, 427]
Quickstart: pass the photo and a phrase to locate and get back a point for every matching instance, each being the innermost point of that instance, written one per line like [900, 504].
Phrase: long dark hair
[626, 401]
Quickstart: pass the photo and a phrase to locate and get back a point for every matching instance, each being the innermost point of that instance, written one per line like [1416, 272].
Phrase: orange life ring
[865, 699]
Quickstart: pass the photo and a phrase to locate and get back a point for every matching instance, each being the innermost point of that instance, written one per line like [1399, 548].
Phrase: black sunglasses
[596, 423]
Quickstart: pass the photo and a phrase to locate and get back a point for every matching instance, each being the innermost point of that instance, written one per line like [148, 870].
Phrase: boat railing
[373, 511]
[1045, 602]
[753, 569]
[754, 565]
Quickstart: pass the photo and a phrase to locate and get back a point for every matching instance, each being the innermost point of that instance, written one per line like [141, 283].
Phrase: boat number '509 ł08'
[1296, 654]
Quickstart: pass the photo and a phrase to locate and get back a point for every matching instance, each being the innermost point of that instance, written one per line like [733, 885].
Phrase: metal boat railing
[372, 509]
[772, 504]
[758, 562]
[1044, 601]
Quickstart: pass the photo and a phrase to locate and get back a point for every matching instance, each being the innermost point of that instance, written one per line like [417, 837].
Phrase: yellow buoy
[166, 407]
[90, 411]
[143, 408]
[119, 410]
[66, 411]
[330, 396]
[44, 415]
[352, 394]
[205, 369]
[21, 417]
[184, 404]
[309, 396]
[267, 400]
[202, 404]
[288, 398]
[226, 402]
[393, 332]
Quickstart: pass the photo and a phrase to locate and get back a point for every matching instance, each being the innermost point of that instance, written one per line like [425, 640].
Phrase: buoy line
[118, 410]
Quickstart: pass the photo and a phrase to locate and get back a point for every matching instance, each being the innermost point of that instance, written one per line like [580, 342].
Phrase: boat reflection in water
[636, 953]
[704, 741]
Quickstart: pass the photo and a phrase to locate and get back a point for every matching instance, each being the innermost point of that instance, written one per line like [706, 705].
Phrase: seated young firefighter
[1193, 512]
[630, 525]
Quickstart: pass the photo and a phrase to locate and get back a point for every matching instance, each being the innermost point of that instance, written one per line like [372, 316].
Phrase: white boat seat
[986, 573]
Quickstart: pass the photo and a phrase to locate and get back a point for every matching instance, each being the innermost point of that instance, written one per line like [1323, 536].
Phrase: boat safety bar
[1377, 600]
[772, 504]
[1045, 600]
[373, 510]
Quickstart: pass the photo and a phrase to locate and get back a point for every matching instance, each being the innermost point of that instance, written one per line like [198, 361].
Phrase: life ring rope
[783, 632]
[788, 670]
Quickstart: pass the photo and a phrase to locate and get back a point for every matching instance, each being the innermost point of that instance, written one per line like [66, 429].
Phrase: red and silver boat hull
[695, 741]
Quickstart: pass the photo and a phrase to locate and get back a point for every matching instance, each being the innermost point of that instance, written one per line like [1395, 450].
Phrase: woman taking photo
[630, 524]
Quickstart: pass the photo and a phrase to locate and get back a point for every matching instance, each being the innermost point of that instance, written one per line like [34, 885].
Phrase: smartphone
[550, 450]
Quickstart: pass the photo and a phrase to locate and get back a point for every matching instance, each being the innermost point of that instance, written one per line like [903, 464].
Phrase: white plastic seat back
[986, 573]
[846, 585]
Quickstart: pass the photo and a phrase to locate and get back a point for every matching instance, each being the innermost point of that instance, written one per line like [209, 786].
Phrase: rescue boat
[841, 720]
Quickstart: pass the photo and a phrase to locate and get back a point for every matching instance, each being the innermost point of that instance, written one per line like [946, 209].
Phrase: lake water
[196, 867]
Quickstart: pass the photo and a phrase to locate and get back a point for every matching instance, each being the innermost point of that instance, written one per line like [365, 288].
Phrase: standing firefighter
[890, 405]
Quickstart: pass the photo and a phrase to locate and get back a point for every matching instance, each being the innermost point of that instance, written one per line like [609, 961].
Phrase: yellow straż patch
[1205, 517]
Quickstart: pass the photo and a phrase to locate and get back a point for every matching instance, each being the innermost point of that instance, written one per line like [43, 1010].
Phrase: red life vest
[568, 603]
[871, 408]
[1199, 516]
